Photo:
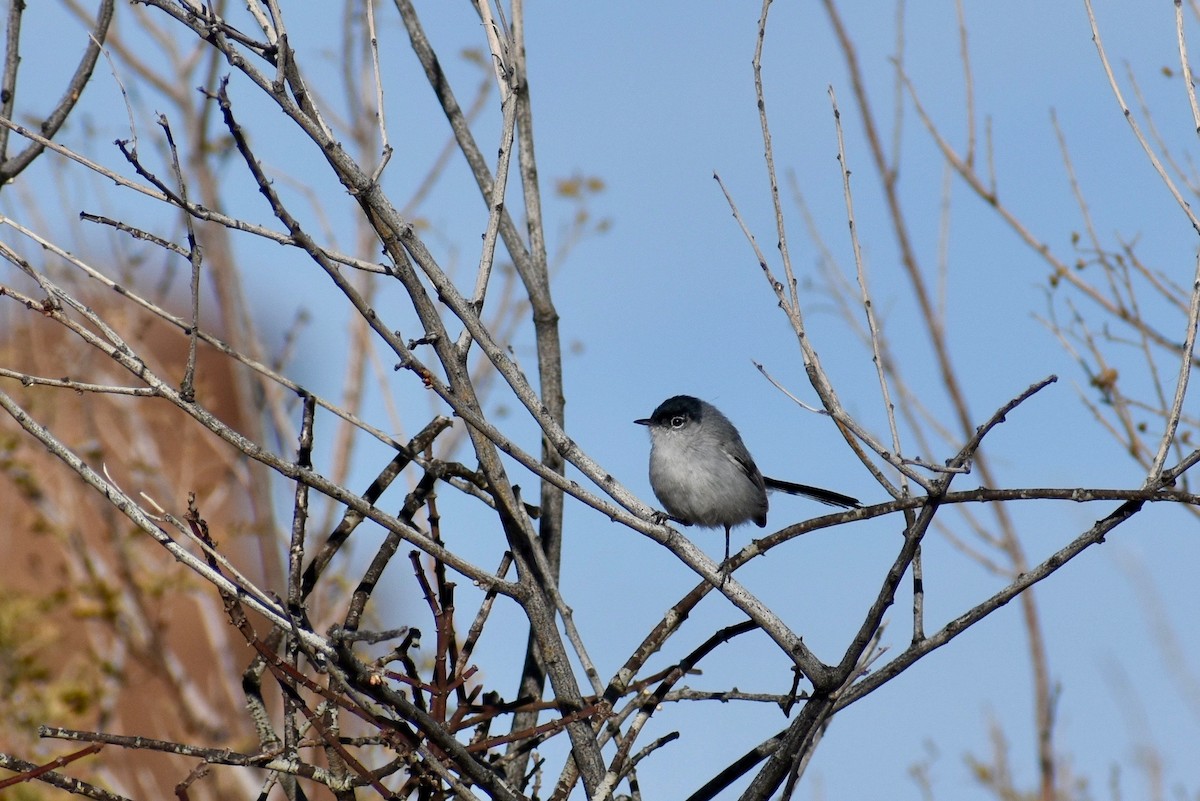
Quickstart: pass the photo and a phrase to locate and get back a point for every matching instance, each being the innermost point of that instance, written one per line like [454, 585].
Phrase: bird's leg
[662, 518]
[725, 564]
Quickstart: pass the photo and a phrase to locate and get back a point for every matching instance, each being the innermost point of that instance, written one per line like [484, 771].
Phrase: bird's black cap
[678, 406]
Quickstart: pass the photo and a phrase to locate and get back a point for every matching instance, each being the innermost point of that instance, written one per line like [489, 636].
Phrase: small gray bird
[703, 475]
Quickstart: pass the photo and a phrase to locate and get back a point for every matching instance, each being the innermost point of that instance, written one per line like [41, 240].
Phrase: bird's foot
[663, 518]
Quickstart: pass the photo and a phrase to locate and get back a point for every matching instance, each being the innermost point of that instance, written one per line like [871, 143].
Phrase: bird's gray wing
[746, 463]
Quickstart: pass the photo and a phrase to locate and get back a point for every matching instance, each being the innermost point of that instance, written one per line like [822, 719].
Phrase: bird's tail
[825, 496]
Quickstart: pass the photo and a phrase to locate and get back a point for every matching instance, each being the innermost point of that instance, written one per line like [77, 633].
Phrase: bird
[703, 475]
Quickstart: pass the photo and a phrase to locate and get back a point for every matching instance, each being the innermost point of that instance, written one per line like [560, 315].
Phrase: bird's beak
[644, 422]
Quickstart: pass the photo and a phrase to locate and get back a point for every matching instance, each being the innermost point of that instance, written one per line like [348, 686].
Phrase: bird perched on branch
[703, 475]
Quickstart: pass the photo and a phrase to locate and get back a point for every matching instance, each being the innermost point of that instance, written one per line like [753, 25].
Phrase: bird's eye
[677, 421]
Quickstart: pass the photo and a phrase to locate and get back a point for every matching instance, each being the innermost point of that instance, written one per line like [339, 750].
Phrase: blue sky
[652, 99]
